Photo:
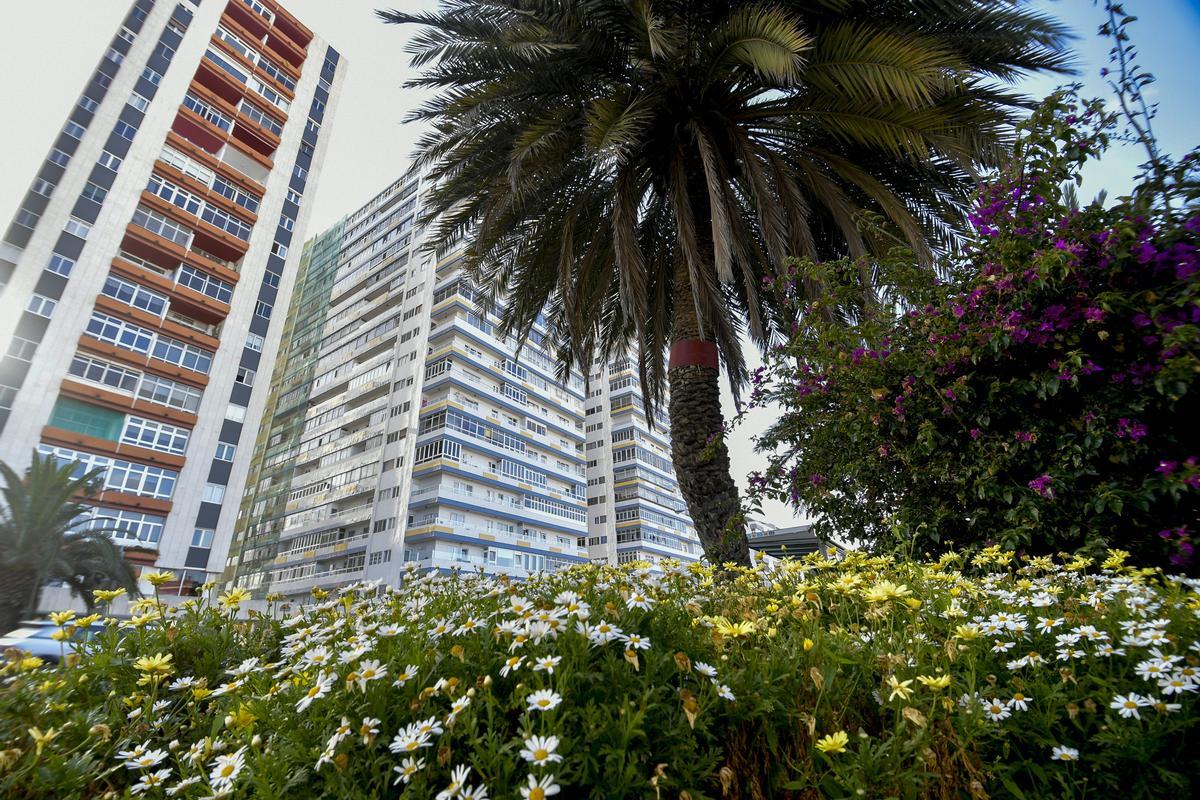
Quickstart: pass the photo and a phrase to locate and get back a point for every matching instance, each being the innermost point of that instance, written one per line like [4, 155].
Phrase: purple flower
[976, 433]
[1166, 467]
[1041, 485]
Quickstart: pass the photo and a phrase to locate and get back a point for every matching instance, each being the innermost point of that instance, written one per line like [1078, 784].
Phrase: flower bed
[866, 677]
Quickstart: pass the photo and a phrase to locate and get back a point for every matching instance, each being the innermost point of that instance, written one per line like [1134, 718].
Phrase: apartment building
[146, 273]
[635, 510]
[403, 428]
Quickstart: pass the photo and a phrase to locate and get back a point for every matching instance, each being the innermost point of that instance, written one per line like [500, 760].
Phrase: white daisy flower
[151, 780]
[1064, 753]
[546, 664]
[408, 767]
[540, 750]
[540, 788]
[226, 768]
[544, 700]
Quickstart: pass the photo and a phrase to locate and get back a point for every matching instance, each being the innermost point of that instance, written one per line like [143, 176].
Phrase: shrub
[864, 678]
[1042, 396]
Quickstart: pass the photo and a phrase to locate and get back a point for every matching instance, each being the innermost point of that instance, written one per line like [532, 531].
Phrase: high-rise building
[145, 275]
[402, 428]
[635, 510]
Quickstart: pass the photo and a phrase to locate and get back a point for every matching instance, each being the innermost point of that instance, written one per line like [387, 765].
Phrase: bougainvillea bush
[1043, 396]
[990, 677]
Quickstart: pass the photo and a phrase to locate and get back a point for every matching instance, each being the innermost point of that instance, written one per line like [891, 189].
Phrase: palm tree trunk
[16, 589]
[698, 452]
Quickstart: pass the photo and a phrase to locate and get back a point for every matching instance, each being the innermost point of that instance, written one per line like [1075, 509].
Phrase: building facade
[146, 273]
[635, 509]
[403, 429]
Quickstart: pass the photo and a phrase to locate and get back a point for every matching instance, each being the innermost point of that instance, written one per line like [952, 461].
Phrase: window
[58, 157]
[126, 34]
[94, 192]
[245, 376]
[167, 392]
[138, 102]
[40, 305]
[270, 279]
[203, 537]
[235, 413]
[125, 527]
[155, 435]
[225, 451]
[182, 354]
[151, 75]
[77, 227]
[109, 161]
[120, 475]
[101, 372]
[294, 197]
[300, 172]
[26, 218]
[279, 250]
[125, 130]
[43, 187]
[114, 55]
[158, 224]
[213, 493]
[60, 265]
[88, 104]
[254, 342]
[262, 309]
[119, 332]
[204, 283]
[286, 222]
[74, 130]
[7, 395]
[22, 349]
[134, 295]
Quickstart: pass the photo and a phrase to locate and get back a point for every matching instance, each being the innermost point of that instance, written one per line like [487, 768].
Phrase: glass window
[254, 342]
[22, 349]
[40, 305]
[74, 415]
[203, 537]
[77, 227]
[138, 101]
[235, 413]
[225, 451]
[94, 192]
[109, 161]
[74, 130]
[152, 76]
[213, 493]
[88, 104]
[43, 187]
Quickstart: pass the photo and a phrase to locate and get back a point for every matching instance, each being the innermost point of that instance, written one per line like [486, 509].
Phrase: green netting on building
[74, 415]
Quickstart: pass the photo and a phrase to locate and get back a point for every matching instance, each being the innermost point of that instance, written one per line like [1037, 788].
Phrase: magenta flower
[1041, 485]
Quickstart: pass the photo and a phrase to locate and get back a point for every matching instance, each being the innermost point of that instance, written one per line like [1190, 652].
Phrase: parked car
[34, 637]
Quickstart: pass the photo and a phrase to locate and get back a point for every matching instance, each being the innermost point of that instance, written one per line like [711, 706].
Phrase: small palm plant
[42, 537]
[640, 168]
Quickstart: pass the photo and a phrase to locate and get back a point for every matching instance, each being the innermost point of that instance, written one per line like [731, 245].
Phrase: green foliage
[41, 537]
[861, 678]
[607, 163]
[1041, 396]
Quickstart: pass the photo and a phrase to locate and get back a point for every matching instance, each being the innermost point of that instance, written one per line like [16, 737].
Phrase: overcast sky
[49, 48]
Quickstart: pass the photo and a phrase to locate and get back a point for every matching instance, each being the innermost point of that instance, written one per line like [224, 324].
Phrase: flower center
[540, 754]
[537, 793]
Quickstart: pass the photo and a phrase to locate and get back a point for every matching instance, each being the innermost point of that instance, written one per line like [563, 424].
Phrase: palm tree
[639, 168]
[42, 538]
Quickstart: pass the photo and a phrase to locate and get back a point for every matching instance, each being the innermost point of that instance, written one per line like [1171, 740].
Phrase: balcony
[327, 579]
[485, 536]
[323, 518]
[318, 552]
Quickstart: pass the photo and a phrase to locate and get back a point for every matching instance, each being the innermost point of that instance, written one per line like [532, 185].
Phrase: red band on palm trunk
[694, 353]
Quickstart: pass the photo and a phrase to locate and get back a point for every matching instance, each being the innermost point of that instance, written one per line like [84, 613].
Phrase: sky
[49, 48]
